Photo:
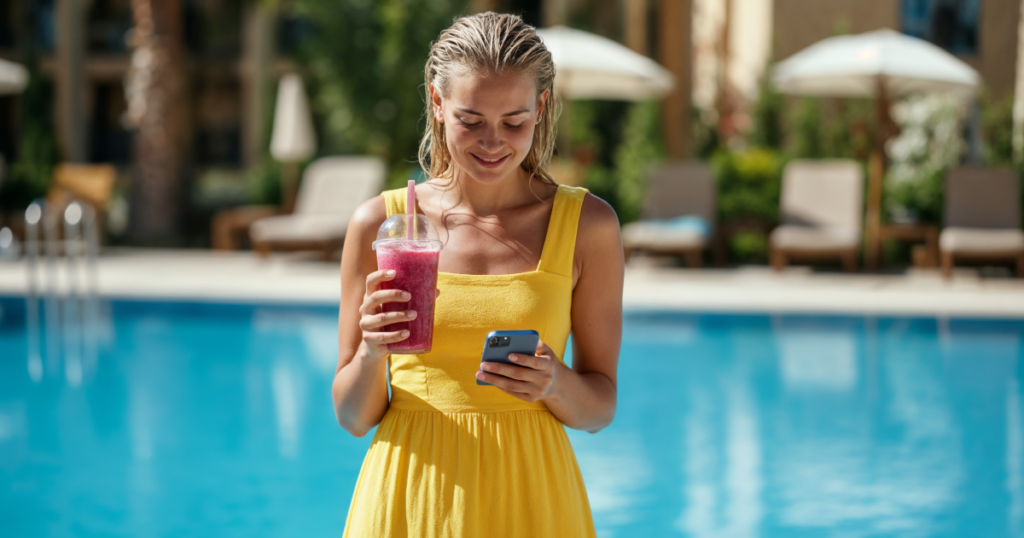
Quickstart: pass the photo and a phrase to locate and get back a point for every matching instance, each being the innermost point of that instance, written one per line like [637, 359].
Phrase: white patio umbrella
[593, 67]
[293, 139]
[13, 77]
[850, 66]
[881, 65]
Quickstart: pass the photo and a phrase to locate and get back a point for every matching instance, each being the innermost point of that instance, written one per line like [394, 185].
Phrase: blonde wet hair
[489, 43]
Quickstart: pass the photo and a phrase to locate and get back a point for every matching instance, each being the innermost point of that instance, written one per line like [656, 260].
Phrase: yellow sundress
[455, 459]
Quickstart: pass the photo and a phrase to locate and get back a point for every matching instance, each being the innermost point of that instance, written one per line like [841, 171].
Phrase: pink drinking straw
[410, 208]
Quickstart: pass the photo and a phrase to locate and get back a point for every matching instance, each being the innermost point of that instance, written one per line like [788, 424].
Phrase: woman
[450, 457]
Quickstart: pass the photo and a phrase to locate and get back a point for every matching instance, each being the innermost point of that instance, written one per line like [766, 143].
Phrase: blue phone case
[519, 342]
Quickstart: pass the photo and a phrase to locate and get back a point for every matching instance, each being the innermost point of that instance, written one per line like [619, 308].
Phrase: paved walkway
[204, 275]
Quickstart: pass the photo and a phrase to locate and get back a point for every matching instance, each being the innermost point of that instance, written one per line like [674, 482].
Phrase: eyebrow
[475, 113]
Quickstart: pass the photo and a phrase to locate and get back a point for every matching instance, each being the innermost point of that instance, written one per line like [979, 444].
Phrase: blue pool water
[172, 419]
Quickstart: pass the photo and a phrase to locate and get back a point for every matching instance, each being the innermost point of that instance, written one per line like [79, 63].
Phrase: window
[950, 24]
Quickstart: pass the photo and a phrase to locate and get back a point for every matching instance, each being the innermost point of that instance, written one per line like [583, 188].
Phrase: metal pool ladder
[72, 314]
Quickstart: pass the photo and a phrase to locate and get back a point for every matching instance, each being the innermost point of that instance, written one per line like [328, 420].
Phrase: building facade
[235, 50]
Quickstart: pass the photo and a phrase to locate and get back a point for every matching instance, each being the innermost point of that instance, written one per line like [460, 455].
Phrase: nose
[490, 140]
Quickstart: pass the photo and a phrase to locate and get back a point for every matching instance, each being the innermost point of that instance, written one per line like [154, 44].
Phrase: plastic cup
[414, 261]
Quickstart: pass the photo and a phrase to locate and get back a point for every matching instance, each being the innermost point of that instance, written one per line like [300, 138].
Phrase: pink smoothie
[415, 266]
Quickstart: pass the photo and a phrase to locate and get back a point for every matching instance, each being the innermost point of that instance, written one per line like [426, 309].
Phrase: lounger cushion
[653, 235]
[981, 240]
[332, 189]
[822, 194]
[299, 228]
[793, 237]
[982, 197]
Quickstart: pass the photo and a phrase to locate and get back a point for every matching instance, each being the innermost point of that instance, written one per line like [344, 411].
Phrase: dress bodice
[470, 306]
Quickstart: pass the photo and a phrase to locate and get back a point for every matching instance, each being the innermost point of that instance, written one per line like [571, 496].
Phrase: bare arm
[583, 397]
[360, 382]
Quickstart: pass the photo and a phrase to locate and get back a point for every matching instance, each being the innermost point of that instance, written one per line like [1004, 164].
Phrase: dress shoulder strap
[560, 241]
[395, 201]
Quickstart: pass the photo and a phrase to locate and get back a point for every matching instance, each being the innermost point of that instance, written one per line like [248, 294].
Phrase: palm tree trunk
[156, 108]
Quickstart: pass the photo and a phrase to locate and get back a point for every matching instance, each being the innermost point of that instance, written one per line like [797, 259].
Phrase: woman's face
[489, 122]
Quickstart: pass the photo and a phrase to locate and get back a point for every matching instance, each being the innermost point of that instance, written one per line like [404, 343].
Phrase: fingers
[530, 378]
[514, 372]
[370, 323]
[511, 386]
[374, 279]
[543, 349]
[542, 362]
[379, 297]
[382, 339]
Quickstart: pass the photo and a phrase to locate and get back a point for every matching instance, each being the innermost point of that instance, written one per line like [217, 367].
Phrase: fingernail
[411, 314]
[391, 273]
[485, 366]
[405, 333]
[406, 295]
[513, 358]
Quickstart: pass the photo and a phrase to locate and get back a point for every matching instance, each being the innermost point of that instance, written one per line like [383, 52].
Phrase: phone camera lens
[494, 341]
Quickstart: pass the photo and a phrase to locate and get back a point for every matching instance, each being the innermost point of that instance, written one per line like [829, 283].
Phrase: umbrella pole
[289, 185]
[876, 176]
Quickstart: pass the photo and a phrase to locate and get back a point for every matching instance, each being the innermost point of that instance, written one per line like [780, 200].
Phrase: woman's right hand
[371, 319]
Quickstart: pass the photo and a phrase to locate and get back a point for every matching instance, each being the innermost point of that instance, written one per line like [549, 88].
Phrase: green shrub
[30, 174]
[583, 134]
[997, 136]
[601, 183]
[748, 247]
[808, 140]
[929, 144]
[264, 183]
[640, 150]
[364, 62]
[749, 182]
[922, 195]
[997, 129]
[705, 135]
[767, 116]
[624, 185]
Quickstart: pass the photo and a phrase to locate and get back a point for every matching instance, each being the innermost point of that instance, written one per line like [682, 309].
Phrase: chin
[490, 176]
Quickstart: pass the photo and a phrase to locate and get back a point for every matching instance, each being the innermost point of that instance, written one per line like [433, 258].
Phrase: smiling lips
[489, 163]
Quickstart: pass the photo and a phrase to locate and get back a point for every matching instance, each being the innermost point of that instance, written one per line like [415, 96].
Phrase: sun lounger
[982, 218]
[331, 190]
[821, 212]
[679, 213]
[92, 184]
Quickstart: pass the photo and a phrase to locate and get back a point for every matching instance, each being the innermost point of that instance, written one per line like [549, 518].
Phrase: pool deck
[650, 284]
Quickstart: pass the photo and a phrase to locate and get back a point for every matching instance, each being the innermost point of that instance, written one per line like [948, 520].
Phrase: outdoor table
[729, 228]
[917, 232]
[230, 226]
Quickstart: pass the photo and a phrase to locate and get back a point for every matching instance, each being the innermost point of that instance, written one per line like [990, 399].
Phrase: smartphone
[499, 344]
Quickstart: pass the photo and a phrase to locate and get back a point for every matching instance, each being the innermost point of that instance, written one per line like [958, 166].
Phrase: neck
[482, 199]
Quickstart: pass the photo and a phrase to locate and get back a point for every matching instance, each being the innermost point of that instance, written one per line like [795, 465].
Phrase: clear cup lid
[402, 227]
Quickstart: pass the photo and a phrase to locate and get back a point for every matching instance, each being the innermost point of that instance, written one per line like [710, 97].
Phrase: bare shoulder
[368, 217]
[597, 236]
[597, 214]
[598, 221]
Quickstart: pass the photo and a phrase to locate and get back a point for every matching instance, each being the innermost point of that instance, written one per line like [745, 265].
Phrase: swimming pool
[216, 419]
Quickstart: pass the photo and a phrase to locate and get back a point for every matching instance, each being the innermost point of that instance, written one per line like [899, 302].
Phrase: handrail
[71, 313]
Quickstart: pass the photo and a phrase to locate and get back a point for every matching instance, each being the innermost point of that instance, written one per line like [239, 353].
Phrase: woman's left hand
[530, 377]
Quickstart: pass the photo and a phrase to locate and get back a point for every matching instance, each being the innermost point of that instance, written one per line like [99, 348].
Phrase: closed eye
[469, 125]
